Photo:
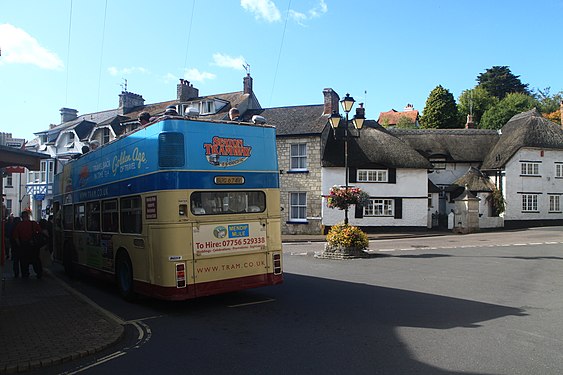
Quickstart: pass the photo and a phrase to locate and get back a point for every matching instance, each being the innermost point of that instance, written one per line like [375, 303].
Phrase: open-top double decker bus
[177, 209]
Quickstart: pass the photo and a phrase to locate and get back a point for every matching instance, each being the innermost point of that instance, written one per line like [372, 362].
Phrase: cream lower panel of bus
[230, 249]
[230, 267]
[170, 244]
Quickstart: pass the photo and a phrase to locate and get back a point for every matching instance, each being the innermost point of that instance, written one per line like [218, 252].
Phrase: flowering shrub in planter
[343, 236]
[342, 198]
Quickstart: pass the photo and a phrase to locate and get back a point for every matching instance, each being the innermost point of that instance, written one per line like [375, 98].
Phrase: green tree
[498, 115]
[440, 111]
[499, 81]
[478, 100]
[405, 123]
[548, 103]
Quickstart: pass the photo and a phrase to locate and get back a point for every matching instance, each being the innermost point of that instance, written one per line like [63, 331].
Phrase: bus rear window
[227, 202]
[171, 150]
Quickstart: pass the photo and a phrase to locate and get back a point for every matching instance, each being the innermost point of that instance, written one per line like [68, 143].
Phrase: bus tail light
[180, 275]
[277, 264]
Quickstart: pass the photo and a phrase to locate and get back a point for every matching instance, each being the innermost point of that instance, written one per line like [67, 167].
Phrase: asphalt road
[487, 303]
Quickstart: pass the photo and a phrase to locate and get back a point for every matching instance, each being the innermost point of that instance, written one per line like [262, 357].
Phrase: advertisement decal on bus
[228, 238]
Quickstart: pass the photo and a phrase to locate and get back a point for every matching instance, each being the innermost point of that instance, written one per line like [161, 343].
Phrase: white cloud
[18, 47]
[226, 61]
[262, 9]
[315, 12]
[169, 77]
[124, 71]
[194, 75]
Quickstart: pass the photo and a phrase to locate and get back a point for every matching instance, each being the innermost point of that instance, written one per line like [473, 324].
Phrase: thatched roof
[455, 145]
[375, 147]
[527, 129]
[475, 181]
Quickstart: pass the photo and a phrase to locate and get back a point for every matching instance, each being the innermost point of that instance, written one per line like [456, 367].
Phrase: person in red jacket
[26, 235]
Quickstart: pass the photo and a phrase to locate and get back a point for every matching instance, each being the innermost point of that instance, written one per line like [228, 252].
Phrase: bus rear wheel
[124, 276]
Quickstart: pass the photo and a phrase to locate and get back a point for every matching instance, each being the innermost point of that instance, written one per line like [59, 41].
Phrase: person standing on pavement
[26, 234]
[15, 250]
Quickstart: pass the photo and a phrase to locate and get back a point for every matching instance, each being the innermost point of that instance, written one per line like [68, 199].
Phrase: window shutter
[352, 173]
[392, 176]
[359, 214]
[398, 208]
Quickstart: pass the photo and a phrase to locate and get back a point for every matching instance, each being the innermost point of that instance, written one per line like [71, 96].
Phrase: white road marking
[252, 303]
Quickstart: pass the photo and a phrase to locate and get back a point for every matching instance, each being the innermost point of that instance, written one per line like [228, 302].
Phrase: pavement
[44, 322]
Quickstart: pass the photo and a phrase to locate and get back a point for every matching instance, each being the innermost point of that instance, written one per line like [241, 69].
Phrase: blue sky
[384, 53]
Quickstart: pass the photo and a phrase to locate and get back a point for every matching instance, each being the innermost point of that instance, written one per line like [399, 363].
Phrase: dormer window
[438, 163]
[105, 136]
[207, 107]
[70, 142]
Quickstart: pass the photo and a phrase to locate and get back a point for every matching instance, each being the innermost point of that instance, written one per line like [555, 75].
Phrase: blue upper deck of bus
[174, 153]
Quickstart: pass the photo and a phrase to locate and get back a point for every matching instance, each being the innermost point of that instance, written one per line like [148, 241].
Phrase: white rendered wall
[411, 186]
[544, 185]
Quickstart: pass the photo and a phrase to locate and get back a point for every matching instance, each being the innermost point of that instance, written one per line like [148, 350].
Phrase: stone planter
[340, 252]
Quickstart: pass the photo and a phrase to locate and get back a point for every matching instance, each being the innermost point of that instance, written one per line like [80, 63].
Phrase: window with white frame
[207, 106]
[9, 180]
[530, 169]
[372, 175]
[70, 140]
[298, 207]
[379, 207]
[105, 136]
[9, 206]
[529, 202]
[554, 203]
[559, 170]
[298, 156]
[438, 163]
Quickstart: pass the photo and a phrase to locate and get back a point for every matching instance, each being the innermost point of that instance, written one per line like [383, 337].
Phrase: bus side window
[93, 216]
[110, 220]
[79, 217]
[131, 215]
[68, 216]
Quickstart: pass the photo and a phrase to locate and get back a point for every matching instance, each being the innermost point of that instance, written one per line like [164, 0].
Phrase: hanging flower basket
[342, 198]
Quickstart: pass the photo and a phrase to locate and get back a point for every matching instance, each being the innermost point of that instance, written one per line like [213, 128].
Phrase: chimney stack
[68, 114]
[247, 84]
[186, 91]
[469, 124]
[129, 101]
[331, 101]
[361, 111]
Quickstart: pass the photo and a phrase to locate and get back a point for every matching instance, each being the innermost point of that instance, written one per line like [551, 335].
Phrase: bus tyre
[124, 276]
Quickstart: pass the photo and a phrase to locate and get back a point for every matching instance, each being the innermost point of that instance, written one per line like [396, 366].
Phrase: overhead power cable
[279, 53]
[102, 55]
[188, 39]
[68, 53]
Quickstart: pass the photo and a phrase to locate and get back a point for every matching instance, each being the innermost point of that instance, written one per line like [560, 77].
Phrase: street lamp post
[358, 121]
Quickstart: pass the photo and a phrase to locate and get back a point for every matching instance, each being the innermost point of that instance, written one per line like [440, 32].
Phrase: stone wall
[307, 181]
